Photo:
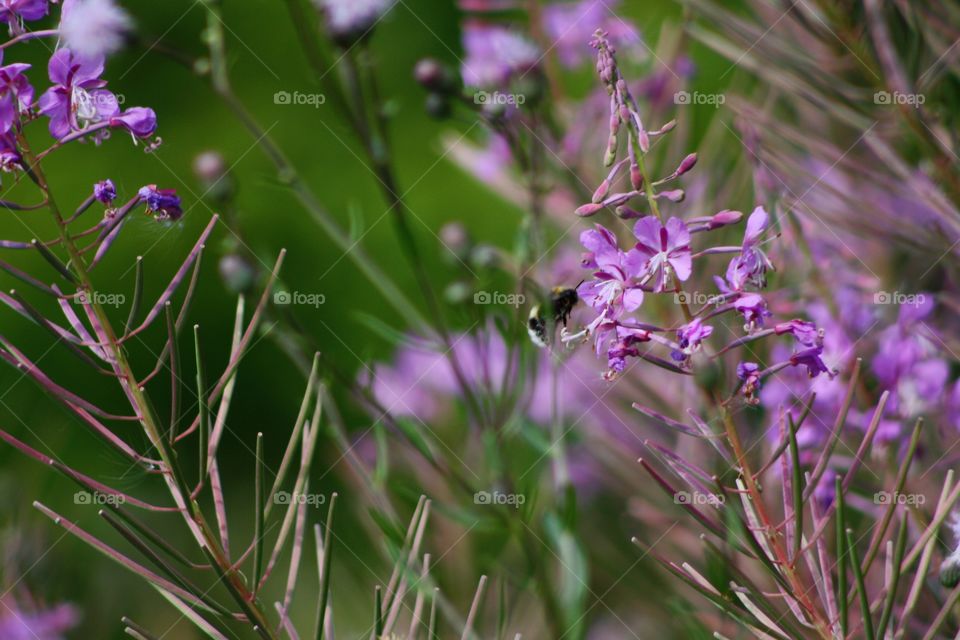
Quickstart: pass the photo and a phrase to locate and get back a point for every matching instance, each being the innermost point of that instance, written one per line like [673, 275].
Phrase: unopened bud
[687, 164]
[588, 210]
[723, 218]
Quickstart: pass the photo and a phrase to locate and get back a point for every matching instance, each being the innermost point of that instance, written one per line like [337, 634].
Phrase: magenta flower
[105, 191]
[571, 26]
[810, 358]
[349, 20]
[614, 285]
[15, 12]
[16, 94]
[689, 337]
[139, 121]
[10, 159]
[625, 347]
[751, 266]
[77, 99]
[51, 624]
[163, 203]
[749, 374]
[805, 332]
[753, 308]
[495, 55]
[665, 248]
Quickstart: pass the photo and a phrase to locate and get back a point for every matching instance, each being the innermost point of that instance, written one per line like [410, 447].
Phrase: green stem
[176, 484]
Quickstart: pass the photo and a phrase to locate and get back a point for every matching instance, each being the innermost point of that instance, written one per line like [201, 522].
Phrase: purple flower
[349, 20]
[753, 308]
[810, 358]
[613, 285]
[570, 26]
[10, 159]
[749, 374]
[139, 121]
[105, 191]
[494, 55]
[805, 332]
[77, 99]
[905, 343]
[93, 28]
[690, 336]
[44, 625]
[751, 266]
[623, 347]
[14, 12]
[665, 248]
[163, 203]
[826, 490]
[16, 94]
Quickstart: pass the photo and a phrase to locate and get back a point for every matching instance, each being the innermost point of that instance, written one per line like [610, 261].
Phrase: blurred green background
[264, 58]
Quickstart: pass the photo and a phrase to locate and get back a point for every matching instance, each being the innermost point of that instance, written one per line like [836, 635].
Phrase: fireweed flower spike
[662, 259]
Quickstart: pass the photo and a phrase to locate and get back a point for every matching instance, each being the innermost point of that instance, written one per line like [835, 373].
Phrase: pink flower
[614, 285]
[665, 248]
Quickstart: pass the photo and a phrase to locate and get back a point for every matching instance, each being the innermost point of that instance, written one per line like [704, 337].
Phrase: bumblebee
[541, 323]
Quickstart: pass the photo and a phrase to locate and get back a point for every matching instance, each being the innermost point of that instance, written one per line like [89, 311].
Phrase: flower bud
[214, 176]
[484, 256]
[601, 192]
[627, 213]
[687, 164]
[588, 210]
[458, 293]
[673, 195]
[435, 76]
[456, 238]
[724, 218]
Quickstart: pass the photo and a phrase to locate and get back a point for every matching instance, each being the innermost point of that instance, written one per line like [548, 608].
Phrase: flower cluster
[661, 259]
[77, 104]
